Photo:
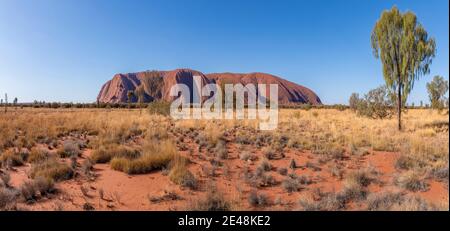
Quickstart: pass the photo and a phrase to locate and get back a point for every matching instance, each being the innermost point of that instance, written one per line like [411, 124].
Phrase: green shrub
[376, 104]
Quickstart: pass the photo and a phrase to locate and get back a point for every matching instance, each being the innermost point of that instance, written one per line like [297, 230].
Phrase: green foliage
[437, 88]
[354, 101]
[376, 104]
[130, 96]
[405, 50]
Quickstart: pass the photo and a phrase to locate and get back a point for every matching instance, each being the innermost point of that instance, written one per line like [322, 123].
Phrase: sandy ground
[114, 190]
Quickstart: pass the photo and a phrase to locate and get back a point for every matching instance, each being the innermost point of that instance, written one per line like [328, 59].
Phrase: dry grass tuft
[38, 155]
[51, 169]
[213, 201]
[105, 153]
[179, 174]
[155, 156]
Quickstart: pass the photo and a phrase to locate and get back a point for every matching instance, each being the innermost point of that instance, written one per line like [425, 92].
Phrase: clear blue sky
[61, 50]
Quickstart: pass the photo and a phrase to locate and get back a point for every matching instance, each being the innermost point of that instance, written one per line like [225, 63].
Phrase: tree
[437, 88]
[6, 102]
[140, 94]
[354, 101]
[130, 95]
[405, 50]
[15, 102]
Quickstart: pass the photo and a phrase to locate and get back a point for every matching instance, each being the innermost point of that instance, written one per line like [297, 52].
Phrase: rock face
[155, 85]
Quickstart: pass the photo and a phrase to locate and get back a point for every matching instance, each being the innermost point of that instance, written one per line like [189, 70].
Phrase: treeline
[340, 107]
[81, 105]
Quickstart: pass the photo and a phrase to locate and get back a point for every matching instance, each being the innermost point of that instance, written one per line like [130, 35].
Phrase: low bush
[154, 157]
[212, 201]
[10, 158]
[264, 165]
[269, 153]
[5, 179]
[68, 149]
[258, 199]
[40, 186]
[395, 201]
[383, 201]
[105, 153]
[246, 156]
[38, 155]
[52, 169]
[7, 197]
[179, 174]
[328, 202]
[411, 181]
[376, 104]
[87, 166]
[220, 150]
[290, 185]
[359, 177]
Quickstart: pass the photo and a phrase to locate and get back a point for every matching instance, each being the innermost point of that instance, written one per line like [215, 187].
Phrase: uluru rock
[155, 85]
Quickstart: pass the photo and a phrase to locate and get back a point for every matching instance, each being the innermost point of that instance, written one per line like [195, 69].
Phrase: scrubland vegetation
[317, 159]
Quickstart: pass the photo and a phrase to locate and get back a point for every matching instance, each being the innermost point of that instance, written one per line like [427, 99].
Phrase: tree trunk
[399, 106]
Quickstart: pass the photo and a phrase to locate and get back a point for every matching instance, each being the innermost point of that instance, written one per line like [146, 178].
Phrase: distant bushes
[159, 107]
[376, 104]
[55, 105]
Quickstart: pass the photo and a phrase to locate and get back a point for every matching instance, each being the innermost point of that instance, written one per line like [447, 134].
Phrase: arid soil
[306, 164]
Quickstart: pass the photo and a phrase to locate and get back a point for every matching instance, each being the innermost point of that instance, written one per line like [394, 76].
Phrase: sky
[65, 50]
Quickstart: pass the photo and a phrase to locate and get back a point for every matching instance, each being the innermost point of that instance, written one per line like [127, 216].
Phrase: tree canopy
[436, 91]
[405, 50]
